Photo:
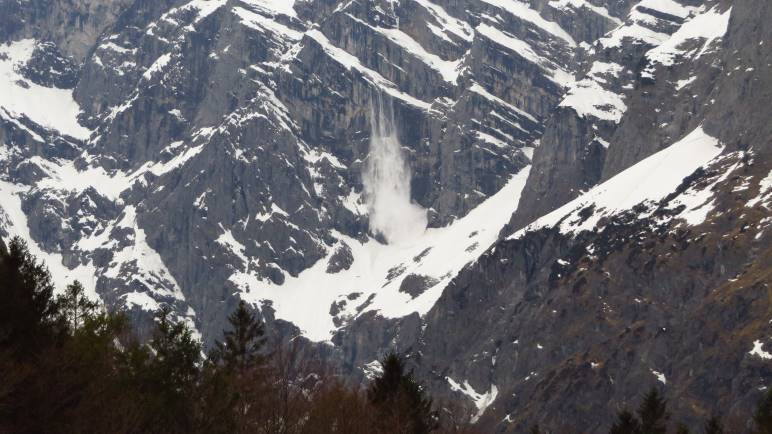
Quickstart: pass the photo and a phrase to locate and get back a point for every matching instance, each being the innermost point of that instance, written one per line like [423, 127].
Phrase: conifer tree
[763, 414]
[535, 429]
[387, 385]
[85, 377]
[235, 376]
[169, 376]
[242, 345]
[400, 400]
[55, 380]
[335, 408]
[626, 423]
[653, 413]
[28, 311]
[682, 429]
[216, 403]
[176, 352]
[714, 426]
[27, 331]
[75, 307]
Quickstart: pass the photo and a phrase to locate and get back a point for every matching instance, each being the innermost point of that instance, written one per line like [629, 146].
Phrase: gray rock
[239, 139]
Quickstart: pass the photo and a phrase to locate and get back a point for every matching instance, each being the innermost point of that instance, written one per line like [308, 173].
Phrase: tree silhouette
[28, 311]
[168, 374]
[714, 426]
[399, 400]
[243, 342]
[763, 414]
[653, 413]
[75, 307]
[626, 423]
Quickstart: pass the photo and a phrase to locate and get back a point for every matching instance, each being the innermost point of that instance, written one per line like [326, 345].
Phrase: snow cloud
[387, 183]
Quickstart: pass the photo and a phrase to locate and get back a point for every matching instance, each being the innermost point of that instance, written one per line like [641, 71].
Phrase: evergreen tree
[168, 375]
[626, 423]
[176, 352]
[714, 426]
[400, 400]
[28, 311]
[28, 328]
[653, 413]
[682, 429]
[387, 385]
[335, 408]
[535, 429]
[236, 378]
[83, 378]
[75, 307]
[54, 380]
[216, 403]
[763, 415]
[242, 345]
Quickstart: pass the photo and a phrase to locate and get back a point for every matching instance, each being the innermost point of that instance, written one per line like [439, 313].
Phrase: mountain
[550, 205]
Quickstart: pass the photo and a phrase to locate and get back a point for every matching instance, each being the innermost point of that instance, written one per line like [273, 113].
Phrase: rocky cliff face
[595, 175]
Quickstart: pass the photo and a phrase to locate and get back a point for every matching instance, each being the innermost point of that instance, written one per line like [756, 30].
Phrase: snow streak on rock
[649, 180]
[48, 106]
[387, 183]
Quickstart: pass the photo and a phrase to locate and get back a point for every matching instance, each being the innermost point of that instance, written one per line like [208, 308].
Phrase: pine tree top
[243, 343]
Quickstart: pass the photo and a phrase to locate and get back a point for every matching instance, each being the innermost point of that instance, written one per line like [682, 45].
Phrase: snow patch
[524, 12]
[203, 7]
[523, 49]
[140, 261]
[709, 26]
[567, 5]
[588, 98]
[351, 62]
[758, 351]
[274, 7]
[650, 179]
[439, 253]
[765, 192]
[448, 69]
[50, 107]
[670, 7]
[372, 369]
[14, 221]
[157, 66]
[683, 83]
[227, 240]
[259, 22]
[141, 300]
[634, 32]
[448, 22]
[660, 376]
[476, 88]
[63, 175]
[481, 400]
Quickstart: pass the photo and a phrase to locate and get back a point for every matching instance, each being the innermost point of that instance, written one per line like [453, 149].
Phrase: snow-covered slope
[48, 106]
[393, 280]
[638, 253]
[199, 113]
[646, 182]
